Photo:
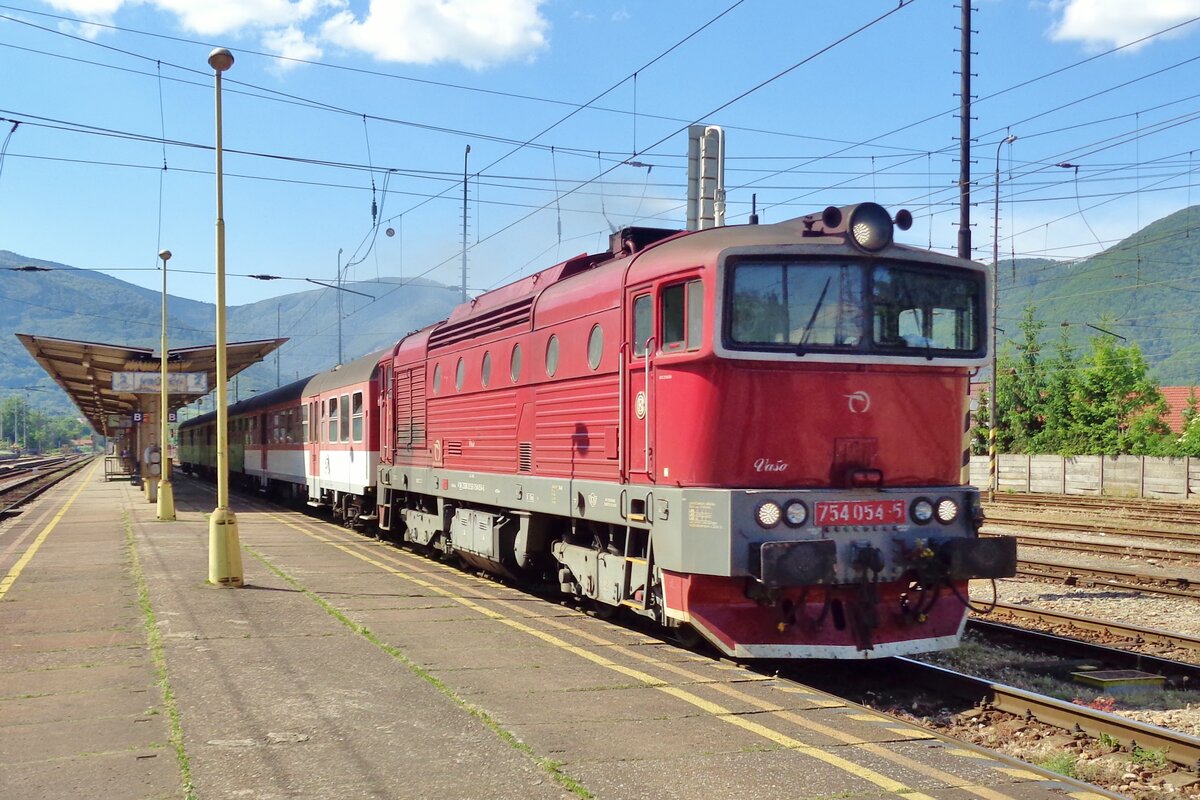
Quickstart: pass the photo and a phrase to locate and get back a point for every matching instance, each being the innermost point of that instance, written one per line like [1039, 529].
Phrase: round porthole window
[595, 346]
[552, 356]
[437, 379]
[485, 370]
[460, 374]
[515, 367]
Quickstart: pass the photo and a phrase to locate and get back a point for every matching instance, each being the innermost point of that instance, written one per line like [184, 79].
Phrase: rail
[1177, 747]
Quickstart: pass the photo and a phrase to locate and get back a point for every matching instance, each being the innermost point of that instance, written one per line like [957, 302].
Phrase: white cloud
[96, 10]
[290, 42]
[472, 32]
[1109, 23]
[217, 17]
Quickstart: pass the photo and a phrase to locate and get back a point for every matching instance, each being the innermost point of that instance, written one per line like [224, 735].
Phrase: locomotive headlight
[922, 511]
[768, 514]
[947, 510]
[870, 227]
[795, 514]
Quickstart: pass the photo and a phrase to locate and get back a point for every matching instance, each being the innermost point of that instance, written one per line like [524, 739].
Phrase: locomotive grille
[454, 448]
[526, 463]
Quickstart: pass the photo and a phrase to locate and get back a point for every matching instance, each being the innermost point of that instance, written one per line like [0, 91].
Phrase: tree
[1024, 417]
[1058, 401]
[1118, 407]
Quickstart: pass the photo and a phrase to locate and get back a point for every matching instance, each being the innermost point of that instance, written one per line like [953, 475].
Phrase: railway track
[1177, 747]
[1075, 574]
[1109, 549]
[1184, 512]
[19, 487]
[1112, 632]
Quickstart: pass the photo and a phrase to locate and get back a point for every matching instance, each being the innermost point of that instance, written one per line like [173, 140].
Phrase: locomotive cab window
[643, 324]
[682, 310]
[916, 310]
[889, 309]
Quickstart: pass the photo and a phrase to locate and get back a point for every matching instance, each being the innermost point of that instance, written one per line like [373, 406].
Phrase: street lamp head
[220, 59]
[1012, 137]
[165, 255]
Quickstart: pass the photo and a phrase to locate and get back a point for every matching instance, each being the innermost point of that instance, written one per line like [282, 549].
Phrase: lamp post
[224, 549]
[993, 412]
[166, 495]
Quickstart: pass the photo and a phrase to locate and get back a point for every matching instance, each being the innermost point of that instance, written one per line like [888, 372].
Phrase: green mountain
[1144, 289]
[71, 303]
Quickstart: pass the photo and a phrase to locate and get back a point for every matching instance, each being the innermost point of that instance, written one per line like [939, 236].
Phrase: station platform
[347, 668]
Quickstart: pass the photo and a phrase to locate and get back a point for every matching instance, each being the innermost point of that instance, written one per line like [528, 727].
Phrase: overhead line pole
[964, 134]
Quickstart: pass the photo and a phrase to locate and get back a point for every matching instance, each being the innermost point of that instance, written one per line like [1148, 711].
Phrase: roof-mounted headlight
[870, 227]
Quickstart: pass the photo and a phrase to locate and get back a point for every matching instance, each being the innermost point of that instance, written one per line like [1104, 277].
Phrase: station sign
[116, 421]
[151, 382]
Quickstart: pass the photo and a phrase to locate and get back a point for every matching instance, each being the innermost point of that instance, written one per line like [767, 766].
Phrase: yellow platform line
[8, 580]
[721, 713]
[950, 779]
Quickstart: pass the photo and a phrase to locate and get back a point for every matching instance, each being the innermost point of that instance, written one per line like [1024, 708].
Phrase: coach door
[639, 384]
[316, 429]
[387, 410]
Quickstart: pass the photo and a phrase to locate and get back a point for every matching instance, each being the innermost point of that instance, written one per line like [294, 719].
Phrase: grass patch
[1065, 764]
[551, 767]
[158, 656]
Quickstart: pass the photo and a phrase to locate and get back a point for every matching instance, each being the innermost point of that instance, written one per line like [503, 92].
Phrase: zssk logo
[859, 402]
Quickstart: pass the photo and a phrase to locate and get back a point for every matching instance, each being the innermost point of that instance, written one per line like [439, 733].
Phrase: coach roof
[358, 371]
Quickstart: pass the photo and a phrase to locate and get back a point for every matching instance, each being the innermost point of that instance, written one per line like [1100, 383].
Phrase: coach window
[682, 316]
[460, 374]
[333, 420]
[485, 369]
[552, 356]
[515, 368]
[643, 324]
[437, 379]
[345, 420]
[595, 346]
[303, 423]
[356, 418]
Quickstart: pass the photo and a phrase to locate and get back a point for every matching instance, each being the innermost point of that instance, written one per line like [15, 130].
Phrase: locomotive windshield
[890, 309]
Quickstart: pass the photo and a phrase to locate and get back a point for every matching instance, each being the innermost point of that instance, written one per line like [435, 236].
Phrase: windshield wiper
[812, 320]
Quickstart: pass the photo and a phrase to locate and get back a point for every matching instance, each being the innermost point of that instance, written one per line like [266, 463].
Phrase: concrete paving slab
[69, 706]
[75, 678]
[279, 698]
[133, 775]
[752, 774]
[82, 738]
[615, 704]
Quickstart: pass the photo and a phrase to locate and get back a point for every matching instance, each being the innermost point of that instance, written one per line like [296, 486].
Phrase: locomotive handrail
[651, 343]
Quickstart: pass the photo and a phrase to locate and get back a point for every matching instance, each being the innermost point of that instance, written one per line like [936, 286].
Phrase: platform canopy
[85, 370]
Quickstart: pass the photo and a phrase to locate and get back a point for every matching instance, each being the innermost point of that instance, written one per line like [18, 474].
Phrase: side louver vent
[526, 464]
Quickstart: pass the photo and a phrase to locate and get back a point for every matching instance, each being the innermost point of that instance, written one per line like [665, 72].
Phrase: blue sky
[335, 104]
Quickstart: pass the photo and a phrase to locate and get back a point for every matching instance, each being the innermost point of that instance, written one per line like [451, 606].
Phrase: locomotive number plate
[860, 512]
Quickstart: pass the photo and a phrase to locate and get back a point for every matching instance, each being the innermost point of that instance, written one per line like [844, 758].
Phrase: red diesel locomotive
[751, 432]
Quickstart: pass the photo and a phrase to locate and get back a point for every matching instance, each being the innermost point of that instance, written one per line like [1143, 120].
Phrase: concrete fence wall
[1113, 476]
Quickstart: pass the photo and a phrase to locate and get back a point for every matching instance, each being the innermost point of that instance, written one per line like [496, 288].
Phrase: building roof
[85, 370]
[1177, 403]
